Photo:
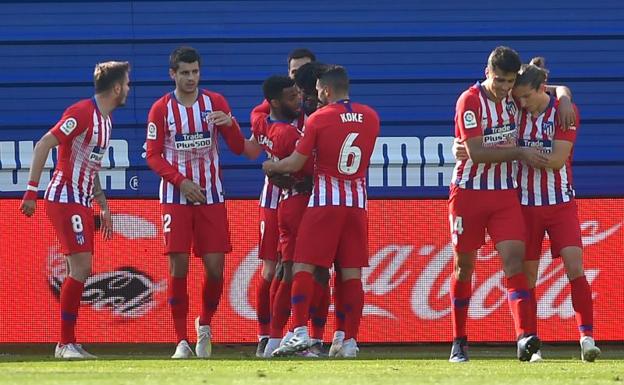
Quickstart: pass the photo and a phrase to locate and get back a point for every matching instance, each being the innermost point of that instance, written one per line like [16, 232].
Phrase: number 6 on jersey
[349, 152]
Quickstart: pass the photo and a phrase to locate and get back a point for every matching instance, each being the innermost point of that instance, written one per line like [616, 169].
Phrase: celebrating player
[182, 148]
[269, 199]
[547, 197]
[82, 136]
[343, 135]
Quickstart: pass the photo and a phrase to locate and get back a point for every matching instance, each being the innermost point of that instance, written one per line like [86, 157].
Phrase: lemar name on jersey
[192, 141]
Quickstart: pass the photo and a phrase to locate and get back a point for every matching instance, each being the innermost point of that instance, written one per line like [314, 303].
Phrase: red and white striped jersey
[270, 194]
[343, 135]
[182, 144]
[477, 115]
[84, 135]
[540, 187]
[279, 138]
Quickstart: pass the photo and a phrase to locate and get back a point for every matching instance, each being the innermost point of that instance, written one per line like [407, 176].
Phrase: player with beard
[82, 136]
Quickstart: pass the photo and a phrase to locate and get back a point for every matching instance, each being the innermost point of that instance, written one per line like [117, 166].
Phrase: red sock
[338, 307]
[301, 296]
[178, 301]
[263, 306]
[519, 303]
[319, 309]
[211, 295]
[281, 309]
[353, 301]
[71, 294]
[460, 300]
[533, 318]
[273, 291]
[583, 305]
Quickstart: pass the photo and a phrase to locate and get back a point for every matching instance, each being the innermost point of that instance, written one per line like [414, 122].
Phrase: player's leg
[267, 252]
[177, 222]
[74, 227]
[507, 229]
[319, 309]
[211, 240]
[467, 219]
[323, 223]
[565, 234]
[535, 230]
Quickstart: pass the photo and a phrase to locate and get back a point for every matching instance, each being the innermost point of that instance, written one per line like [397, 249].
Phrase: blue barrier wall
[408, 59]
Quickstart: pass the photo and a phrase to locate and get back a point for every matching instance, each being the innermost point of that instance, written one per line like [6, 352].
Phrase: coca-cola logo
[390, 269]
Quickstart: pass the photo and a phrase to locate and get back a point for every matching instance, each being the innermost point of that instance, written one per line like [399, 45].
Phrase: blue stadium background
[408, 59]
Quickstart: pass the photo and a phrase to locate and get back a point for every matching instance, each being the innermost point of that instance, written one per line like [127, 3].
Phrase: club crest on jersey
[548, 128]
[152, 132]
[193, 141]
[204, 115]
[470, 119]
[68, 126]
[511, 108]
[80, 239]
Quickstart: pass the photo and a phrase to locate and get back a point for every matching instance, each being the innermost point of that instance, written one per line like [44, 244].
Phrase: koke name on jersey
[192, 141]
[354, 117]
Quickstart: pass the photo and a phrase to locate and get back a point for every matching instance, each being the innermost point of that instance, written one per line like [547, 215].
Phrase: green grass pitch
[421, 364]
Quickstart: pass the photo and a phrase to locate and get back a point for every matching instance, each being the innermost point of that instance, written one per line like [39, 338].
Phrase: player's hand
[107, 224]
[534, 157]
[459, 150]
[304, 185]
[28, 207]
[220, 118]
[267, 166]
[566, 115]
[193, 192]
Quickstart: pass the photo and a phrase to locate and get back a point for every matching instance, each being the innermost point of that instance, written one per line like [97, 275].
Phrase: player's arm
[566, 111]
[563, 142]
[40, 154]
[222, 117]
[105, 215]
[560, 154]
[259, 123]
[288, 165]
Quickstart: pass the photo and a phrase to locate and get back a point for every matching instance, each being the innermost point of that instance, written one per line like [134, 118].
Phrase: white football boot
[337, 342]
[72, 352]
[203, 348]
[183, 350]
[589, 350]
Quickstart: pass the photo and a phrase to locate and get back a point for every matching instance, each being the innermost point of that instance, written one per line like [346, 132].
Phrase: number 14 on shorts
[457, 227]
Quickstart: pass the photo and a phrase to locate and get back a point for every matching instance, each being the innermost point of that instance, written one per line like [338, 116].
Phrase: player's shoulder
[215, 97]
[162, 101]
[82, 106]
[470, 94]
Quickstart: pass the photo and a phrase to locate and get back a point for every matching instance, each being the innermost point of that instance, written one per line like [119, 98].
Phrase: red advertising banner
[406, 285]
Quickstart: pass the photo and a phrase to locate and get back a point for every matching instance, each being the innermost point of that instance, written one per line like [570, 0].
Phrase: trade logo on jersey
[470, 119]
[68, 126]
[152, 132]
[192, 141]
[511, 108]
[548, 128]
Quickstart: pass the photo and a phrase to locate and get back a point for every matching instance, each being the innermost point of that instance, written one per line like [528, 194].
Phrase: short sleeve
[468, 116]
[75, 121]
